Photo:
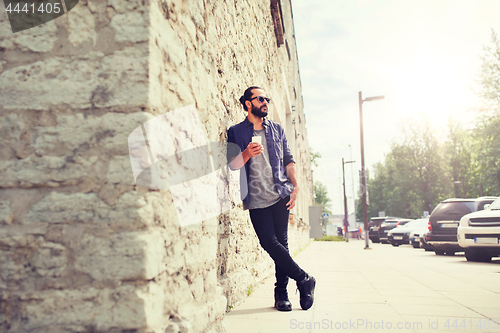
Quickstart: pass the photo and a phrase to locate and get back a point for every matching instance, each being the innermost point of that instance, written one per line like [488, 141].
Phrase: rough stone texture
[82, 247]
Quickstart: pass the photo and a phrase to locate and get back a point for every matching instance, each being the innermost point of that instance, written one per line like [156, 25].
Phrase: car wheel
[477, 256]
[395, 244]
[439, 252]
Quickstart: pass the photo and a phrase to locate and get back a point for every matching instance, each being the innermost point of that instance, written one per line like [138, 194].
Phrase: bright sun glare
[429, 83]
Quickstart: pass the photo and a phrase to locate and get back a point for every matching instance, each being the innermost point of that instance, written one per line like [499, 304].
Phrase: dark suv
[388, 224]
[373, 226]
[444, 220]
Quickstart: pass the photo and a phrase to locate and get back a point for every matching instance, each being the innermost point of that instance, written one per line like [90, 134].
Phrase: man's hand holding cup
[255, 147]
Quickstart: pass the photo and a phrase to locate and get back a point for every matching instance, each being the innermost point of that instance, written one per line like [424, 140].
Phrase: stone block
[131, 208]
[12, 127]
[6, 215]
[120, 257]
[50, 171]
[51, 259]
[29, 256]
[63, 208]
[130, 27]
[109, 132]
[97, 6]
[120, 171]
[39, 39]
[93, 80]
[87, 309]
[81, 26]
[127, 5]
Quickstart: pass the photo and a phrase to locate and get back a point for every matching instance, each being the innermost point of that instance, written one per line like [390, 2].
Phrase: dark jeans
[271, 227]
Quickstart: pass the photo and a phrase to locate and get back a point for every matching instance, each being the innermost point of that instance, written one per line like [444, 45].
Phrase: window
[279, 28]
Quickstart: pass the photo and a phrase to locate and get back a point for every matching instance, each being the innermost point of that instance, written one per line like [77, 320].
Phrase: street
[384, 288]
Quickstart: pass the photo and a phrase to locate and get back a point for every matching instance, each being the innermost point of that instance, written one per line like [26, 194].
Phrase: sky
[422, 56]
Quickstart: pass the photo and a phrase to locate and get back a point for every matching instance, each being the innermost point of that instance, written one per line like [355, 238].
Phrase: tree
[322, 197]
[489, 81]
[314, 157]
[459, 148]
[487, 131]
[415, 175]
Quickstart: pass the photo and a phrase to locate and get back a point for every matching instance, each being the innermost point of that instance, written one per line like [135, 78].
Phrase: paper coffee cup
[257, 139]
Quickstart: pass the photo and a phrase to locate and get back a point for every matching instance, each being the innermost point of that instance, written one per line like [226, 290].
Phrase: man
[272, 191]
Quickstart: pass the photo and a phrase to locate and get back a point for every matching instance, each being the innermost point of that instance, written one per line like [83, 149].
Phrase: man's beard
[257, 111]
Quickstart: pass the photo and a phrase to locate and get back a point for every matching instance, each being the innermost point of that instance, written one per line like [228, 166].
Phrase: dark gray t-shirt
[262, 189]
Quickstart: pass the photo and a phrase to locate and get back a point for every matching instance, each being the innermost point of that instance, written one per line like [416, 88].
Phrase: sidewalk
[382, 289]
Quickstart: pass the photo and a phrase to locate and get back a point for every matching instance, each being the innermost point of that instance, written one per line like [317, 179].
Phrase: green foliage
[461, 149]
[413, 177]
[488, 135]
[331, 239]
[487, 131]
[490, 73]
[314, 157]
[320, 190]
[322, 197]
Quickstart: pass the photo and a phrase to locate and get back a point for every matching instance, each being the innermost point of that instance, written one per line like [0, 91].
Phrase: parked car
[387, 225]
[479, 233]
[417, 238]
[444, 220]
[373, 226]
[401, 235]
[423, 242]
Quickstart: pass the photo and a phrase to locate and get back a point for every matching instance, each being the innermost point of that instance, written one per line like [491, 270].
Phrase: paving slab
[383, 288]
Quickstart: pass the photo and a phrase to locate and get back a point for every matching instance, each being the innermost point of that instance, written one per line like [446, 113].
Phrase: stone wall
[82, 247]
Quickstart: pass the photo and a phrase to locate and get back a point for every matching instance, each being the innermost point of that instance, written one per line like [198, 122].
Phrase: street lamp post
[346, 221]
[353, 195]
[363, 171]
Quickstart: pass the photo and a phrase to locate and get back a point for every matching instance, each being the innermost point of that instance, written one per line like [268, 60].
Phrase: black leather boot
[281, 301]
[306, 290]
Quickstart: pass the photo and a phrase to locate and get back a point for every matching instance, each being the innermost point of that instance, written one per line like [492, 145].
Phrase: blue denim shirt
[279, 153]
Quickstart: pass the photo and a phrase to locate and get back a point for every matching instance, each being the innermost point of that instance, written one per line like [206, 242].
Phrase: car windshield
[416, 223]
[386, 224]
[377, 221]
[495, 205]
[410, 224]
[453, 209]
[423, 222]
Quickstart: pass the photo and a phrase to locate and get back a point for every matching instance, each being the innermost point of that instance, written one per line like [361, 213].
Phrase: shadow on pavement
[253, 311]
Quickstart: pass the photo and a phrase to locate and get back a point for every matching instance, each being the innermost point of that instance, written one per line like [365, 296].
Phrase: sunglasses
[262, 99]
